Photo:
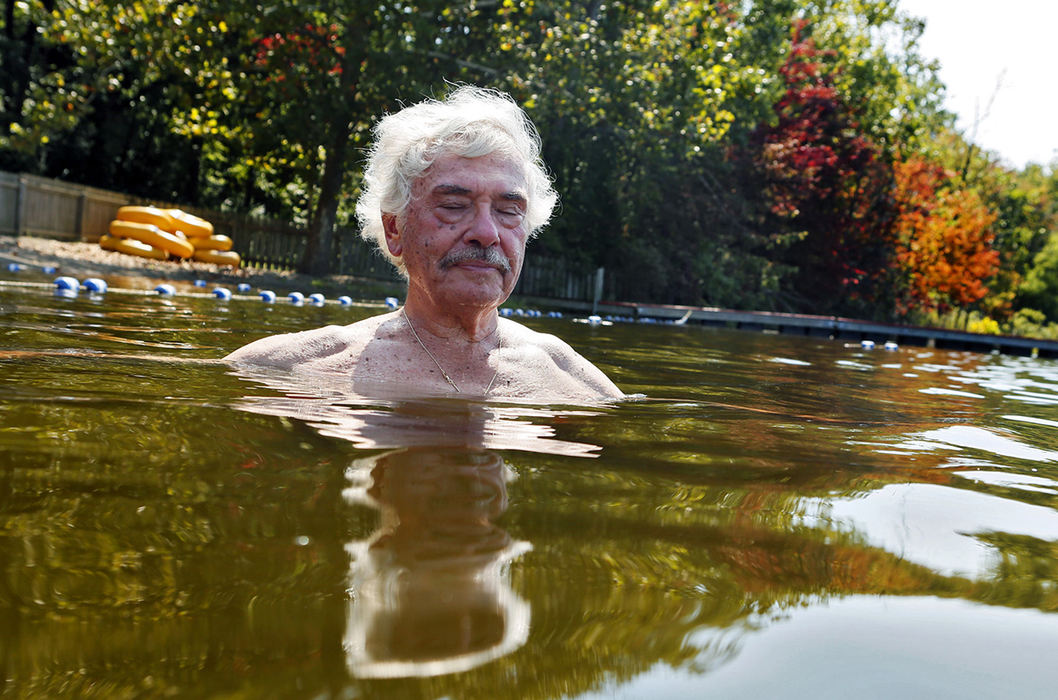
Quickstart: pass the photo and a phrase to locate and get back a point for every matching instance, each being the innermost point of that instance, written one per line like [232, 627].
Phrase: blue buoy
[317, 299]
[392, 302]
[165, 289]
[506, 313]
[594, 320]
[49, 269]
[95, 285]
[243, 287]
[296, 298]
[867, 344]
[268, 296]
[344, 300]
[15, 267]
[222, 293]
[200, 283]
[67, 283]
[890, 345]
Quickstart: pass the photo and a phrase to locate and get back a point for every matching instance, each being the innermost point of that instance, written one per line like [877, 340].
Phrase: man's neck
[454, 326]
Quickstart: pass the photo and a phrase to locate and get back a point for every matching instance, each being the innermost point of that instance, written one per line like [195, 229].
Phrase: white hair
[470, 122]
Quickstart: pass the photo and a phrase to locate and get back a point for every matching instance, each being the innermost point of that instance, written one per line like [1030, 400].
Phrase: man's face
[463, 237]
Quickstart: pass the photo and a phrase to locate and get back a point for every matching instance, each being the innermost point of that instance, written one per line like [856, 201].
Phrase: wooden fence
[36, 206]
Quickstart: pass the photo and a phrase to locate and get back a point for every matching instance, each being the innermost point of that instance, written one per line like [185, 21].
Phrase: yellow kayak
[191, 225]
[152, 235]
[218, 257]
[131, 246]
[146, 215]
[217, 241]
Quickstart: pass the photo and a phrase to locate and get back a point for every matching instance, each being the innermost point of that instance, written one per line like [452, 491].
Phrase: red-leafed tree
[827, 183]
[945, 239]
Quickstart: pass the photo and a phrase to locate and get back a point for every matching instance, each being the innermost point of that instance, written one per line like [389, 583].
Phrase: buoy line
[66, 285]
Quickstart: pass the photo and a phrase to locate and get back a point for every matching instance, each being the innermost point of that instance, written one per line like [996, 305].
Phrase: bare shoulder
[566, 365]
[319, 345]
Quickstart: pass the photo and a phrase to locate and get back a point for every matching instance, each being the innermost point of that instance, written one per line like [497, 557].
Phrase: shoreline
[80, 259]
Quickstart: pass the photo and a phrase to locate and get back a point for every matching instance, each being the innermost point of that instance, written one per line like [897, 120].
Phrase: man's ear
[393, 242]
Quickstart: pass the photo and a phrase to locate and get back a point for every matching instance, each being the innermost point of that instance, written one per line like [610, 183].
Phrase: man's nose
[484, 229]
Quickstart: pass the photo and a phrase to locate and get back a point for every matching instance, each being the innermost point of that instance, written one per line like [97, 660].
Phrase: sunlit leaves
[945, 238]
[823, 177]
[704, 152]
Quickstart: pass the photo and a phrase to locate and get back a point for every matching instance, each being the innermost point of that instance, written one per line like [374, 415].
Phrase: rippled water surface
[780, 517]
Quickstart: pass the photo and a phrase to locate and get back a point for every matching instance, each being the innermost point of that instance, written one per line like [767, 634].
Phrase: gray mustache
[490, 256]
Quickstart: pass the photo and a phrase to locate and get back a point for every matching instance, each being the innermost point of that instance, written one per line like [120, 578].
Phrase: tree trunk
[318, 251]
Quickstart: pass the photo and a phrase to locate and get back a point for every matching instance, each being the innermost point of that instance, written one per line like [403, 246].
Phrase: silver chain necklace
[439, 367]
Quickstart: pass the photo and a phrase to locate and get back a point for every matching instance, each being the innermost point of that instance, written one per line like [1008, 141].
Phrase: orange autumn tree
[944, 239]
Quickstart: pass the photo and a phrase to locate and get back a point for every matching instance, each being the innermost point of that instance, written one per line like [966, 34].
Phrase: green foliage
[1040, 288]
[87, 96]
[1032, 323]
[664, 122]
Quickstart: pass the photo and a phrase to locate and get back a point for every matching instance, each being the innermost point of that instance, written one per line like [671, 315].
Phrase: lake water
[780, 517]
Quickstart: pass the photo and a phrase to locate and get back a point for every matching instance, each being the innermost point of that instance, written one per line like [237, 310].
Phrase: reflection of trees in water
[679, 553]
[238, 572]
[620, 592]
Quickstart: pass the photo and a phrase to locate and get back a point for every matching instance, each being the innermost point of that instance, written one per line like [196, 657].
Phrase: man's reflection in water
[430, 589]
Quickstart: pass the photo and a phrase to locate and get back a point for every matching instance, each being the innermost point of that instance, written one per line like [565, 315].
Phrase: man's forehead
[458, 175]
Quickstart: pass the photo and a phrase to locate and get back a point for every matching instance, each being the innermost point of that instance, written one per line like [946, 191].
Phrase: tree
[945, 239]
[826, 181]
[81, 102]
[1033, 204]
[632, 103]
[285, 95]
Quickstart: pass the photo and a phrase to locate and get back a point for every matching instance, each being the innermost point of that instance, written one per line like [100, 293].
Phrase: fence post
[20, 207]
[82, 206]
[600, 276]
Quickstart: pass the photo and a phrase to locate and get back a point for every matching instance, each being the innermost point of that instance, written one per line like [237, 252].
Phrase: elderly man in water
[451, 194]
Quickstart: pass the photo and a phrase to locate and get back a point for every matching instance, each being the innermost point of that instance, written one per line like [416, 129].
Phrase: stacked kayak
[151, 232]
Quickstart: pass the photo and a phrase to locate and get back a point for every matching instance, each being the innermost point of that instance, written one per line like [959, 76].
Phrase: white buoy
[296, 298]
[243, 287]
[392, 302]
[165, 289]
[317, 299]
[268, 296]
[344, 300]
[867, 344]
[95, 285]
[890, 345]
[222, 293]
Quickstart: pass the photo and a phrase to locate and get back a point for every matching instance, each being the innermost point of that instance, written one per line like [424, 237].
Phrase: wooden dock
[836, 327]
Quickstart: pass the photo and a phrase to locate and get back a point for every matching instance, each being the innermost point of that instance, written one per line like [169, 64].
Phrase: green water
[779, 517]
